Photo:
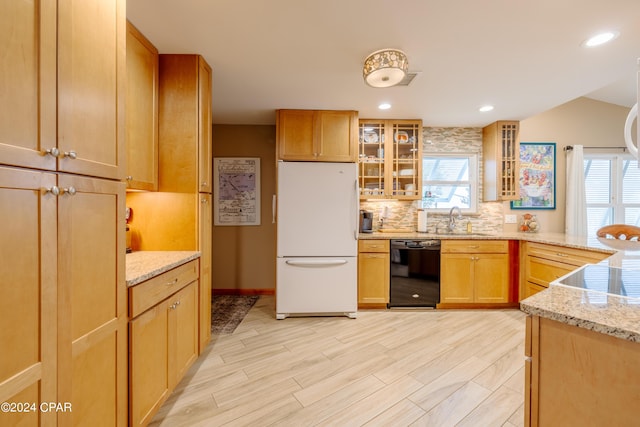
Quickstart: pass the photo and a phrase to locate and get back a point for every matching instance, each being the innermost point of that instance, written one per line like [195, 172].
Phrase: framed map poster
[236, 183]
[537, 178]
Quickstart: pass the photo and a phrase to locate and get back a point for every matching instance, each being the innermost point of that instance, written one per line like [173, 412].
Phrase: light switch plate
[510, 219]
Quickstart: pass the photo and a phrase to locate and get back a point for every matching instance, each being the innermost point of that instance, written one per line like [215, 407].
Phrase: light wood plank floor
[385, 368]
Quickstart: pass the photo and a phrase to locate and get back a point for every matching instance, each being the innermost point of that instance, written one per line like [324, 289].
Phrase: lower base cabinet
[373, 273]
[578, 377]
[163, 338]
[474, 272]
[544, 263]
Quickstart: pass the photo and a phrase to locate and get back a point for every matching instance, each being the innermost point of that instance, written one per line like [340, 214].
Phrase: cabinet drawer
[475, 246]
[373, 246]
[153, 291]
[543, 271]
[576, 257]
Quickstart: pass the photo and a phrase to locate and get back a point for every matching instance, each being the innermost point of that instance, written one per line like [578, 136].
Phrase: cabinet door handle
[52, 151]
[70, 154]
[55, 190]
[474, 246]
[173, 282]
[70, 191]
[561, 255]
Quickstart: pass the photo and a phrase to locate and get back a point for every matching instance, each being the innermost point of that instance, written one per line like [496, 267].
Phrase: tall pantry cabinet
[178, 216]
[63, 324]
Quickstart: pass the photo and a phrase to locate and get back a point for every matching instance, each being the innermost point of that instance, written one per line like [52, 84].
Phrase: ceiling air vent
[408, 78]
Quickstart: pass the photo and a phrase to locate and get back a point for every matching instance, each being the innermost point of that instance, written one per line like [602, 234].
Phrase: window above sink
[448, 180]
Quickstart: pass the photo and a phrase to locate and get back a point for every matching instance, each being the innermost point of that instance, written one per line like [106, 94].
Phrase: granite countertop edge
[144, 265]
[617, 317]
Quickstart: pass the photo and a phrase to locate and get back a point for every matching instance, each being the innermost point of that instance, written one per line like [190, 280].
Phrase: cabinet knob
[173, 282]
[204, 201]
[70, 154]
[52, 151]
[129, 178]
[204, 184]
[70, 191]
[561, 254]
[55, 190]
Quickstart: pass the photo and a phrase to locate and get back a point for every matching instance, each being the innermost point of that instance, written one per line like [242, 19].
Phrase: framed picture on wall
[537, 176]
[237, 188]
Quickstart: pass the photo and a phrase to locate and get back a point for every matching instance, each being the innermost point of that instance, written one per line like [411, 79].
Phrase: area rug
[227, 311]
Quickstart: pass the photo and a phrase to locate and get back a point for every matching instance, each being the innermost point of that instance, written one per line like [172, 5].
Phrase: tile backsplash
[404, 214]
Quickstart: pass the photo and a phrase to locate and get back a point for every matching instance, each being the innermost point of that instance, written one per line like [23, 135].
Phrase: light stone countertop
[597, 311]
[143, 265]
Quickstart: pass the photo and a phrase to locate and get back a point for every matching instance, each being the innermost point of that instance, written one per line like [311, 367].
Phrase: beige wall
[244, 257]
[582, 121]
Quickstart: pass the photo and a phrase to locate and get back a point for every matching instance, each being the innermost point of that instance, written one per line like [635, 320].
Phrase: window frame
[474, 173]
[616, 201]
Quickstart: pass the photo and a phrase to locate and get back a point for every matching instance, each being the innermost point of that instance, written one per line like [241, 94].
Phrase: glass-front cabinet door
[390, 153]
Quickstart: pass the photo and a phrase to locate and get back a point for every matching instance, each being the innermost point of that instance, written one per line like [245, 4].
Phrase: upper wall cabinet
[142, 112]
[390, 159]
[185, 159]
[501, 154]
[79, 82]
[316, 135]
[28, 85]
[91, 87]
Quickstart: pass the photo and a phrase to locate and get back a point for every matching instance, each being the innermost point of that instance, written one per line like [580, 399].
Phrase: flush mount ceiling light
[601, 38]
[485, 108]
[384, 106]
[385, 68]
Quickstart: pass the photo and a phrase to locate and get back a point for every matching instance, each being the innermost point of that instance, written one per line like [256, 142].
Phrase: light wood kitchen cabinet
[317, 135]
[28, 86]
[474, 272]
[205, 229]
[92, 301]
[178, 217]
[142, 112]
[163, 337]
[91, 87]
[544, 263]
[63, 106]
[63, 103]
[185, 124]
[373, 273]
[575, 376]
[501, 155]
[390, 159]
[66, 304]
[28, 325]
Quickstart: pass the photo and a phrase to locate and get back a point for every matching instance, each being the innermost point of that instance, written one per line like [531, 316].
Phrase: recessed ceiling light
[485, 108]
[601, 38]
[384, 106]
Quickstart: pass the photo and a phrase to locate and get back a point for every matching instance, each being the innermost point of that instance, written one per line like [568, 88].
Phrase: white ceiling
[522, 56]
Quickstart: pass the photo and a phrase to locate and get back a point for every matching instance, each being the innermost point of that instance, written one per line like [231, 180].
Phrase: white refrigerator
[317, 207]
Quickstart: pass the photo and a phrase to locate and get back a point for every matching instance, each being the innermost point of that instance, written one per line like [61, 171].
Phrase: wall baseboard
[244, 291]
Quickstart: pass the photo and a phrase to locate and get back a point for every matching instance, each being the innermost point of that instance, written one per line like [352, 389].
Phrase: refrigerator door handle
[315, 262]
[357, 206]
[273, 209]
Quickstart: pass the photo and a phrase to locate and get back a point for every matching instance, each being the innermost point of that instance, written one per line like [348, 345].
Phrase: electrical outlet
[510, 219]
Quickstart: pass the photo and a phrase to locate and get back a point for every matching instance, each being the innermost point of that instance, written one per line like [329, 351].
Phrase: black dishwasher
[415, 273]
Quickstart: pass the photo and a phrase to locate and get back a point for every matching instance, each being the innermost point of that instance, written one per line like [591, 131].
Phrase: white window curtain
[576, 204]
